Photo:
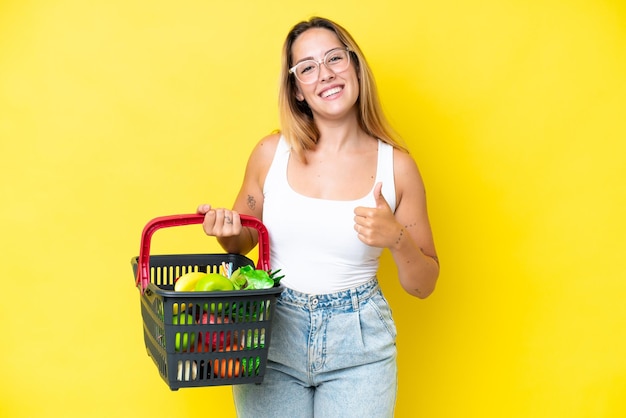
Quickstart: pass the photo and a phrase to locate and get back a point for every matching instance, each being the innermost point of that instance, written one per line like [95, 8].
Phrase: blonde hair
[296, 118]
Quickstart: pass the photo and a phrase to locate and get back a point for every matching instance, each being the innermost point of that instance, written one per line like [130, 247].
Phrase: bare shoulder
[266, 147]
[405, 167]
[407, 176]
[263, 153]
[250, 198]
[261, 157]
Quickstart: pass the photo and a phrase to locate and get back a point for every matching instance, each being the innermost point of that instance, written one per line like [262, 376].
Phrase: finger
[209, 222]
[219, 217]
[203, 209]
[232, 221]
[381, 202]
[225, 219]
[228, 222]
[236, 219]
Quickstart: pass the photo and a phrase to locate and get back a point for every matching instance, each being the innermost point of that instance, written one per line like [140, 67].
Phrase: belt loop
[355, 299]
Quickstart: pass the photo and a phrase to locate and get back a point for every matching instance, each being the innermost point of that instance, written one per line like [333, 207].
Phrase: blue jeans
[331, 355]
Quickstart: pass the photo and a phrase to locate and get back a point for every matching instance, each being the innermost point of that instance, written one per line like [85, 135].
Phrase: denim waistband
[353, 296]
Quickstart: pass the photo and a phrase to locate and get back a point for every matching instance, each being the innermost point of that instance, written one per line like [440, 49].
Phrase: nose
[325, 73]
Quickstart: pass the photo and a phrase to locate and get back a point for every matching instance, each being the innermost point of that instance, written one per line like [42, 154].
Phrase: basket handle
[143, 268]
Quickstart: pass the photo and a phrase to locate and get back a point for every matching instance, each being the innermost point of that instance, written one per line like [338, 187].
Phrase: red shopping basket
[203, 338]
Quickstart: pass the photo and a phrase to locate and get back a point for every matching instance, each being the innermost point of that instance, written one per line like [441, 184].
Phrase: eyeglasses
[336, 60]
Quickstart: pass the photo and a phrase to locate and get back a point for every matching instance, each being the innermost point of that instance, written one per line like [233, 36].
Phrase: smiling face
[333, 94]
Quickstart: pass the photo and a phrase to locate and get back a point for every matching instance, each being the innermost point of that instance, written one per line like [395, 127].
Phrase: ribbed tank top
[312, 240]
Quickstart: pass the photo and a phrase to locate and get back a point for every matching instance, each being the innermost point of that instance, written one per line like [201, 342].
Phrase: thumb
[378, 196]
[203, 209]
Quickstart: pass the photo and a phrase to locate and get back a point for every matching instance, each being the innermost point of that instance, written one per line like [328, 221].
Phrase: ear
[299, 95]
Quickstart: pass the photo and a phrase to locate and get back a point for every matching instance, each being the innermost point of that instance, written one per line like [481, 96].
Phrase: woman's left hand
[377, 227]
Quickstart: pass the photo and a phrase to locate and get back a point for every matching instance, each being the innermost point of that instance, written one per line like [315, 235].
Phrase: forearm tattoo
[402, 232]
[251, 202]
[400, 236]
[434, 257]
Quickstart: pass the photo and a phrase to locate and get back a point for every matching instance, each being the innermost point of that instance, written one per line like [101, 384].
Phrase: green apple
[213, 282]
[188, 338]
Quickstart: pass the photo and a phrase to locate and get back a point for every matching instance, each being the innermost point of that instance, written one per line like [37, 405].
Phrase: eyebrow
[313, 59]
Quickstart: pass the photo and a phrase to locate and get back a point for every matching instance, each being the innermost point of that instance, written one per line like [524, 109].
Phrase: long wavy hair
[296, 118]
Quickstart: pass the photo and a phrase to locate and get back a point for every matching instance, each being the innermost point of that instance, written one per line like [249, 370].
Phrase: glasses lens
[337, 60]
[306, 71]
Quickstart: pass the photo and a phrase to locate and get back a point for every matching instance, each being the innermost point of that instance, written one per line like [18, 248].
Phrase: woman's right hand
[220, 222]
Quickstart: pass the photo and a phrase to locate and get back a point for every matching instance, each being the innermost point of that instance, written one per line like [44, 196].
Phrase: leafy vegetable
[239, 281]
[247, 277]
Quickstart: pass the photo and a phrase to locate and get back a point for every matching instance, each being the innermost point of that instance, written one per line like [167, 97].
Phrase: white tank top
[313, 241]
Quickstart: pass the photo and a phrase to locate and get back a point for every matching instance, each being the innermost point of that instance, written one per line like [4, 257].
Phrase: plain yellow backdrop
[115, 112]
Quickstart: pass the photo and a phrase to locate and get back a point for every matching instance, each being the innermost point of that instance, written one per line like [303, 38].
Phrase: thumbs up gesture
[377, 226]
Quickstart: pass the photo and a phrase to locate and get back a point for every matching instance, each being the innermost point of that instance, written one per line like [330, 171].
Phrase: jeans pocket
[379, 305]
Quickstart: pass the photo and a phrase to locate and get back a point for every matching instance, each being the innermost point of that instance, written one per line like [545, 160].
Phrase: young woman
[334, 188]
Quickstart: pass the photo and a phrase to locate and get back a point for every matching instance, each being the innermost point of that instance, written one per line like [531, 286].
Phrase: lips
[330, 92]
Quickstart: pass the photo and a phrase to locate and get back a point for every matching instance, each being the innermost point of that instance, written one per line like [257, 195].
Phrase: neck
[338, 135]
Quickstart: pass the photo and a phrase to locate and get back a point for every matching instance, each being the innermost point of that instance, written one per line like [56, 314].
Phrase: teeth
[331, 92]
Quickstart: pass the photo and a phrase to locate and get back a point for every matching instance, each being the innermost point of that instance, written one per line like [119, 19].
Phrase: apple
[213, 282]
[187, 340]
[187, 282]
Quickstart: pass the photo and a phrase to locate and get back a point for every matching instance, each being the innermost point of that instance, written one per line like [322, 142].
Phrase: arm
[226, 224]
[406, 233]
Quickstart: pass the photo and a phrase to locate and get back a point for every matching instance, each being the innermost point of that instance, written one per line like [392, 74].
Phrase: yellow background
[114, 112]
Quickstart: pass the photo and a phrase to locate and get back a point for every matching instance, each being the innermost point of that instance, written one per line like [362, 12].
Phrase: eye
[306, 67]
[336, 57]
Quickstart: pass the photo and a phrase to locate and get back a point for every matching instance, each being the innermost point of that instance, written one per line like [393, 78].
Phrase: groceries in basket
[243, 278]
